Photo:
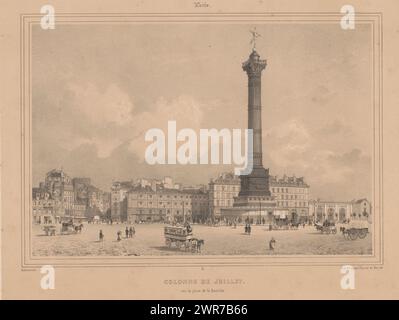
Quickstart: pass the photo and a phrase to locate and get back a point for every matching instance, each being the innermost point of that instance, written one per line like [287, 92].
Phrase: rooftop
[288, 181]
[226, 177]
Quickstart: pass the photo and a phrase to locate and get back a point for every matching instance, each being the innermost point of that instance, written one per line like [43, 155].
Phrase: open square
[222, 240]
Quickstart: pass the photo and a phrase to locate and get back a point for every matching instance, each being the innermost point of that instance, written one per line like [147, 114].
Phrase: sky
[97, 88]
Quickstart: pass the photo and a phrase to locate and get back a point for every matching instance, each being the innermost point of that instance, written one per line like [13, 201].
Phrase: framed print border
[29, 261]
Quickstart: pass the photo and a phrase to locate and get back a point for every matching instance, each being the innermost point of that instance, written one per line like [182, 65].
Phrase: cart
[356, 229]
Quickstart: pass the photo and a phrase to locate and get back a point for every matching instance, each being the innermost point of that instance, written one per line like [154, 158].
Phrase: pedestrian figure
[127, 232]
[101, 235]
[272, 243]
[246, 228]
[119, 233]
[249, 229]
[131, 232]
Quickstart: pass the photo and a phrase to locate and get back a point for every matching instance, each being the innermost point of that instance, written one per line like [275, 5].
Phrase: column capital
[254, 65]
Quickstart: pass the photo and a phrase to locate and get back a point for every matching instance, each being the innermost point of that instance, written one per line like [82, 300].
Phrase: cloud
[114, 108]
[102, 107]
[184, 109]
[335, 127]
[321, 95]
[349, 158]
[288, 143]
[295, 148]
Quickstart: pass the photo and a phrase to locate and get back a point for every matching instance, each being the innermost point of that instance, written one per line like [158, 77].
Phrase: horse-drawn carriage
[355, 229]
[327, 227]
[181, 237]
[71, 228]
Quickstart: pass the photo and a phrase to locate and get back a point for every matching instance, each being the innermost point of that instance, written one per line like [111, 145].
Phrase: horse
[295, 225]
[318, 227]
[344, 232]
[196, 244]
[200, 243]
[78, 229]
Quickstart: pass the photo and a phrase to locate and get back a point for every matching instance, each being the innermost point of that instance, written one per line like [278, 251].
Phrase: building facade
[59, 185]
[222, 192]
[292, 197]
[199, 203]
[145, 204]
[44, 207]
[361, 208]
[339, 211]
[119, 191]
[80, 210]
[65, 198]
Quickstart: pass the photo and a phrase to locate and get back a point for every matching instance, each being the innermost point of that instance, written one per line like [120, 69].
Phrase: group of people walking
[129, 233]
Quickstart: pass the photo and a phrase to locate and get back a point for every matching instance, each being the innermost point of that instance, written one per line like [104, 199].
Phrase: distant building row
[291, 195]
[164, 201]
[61, 197]
[150, 200]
